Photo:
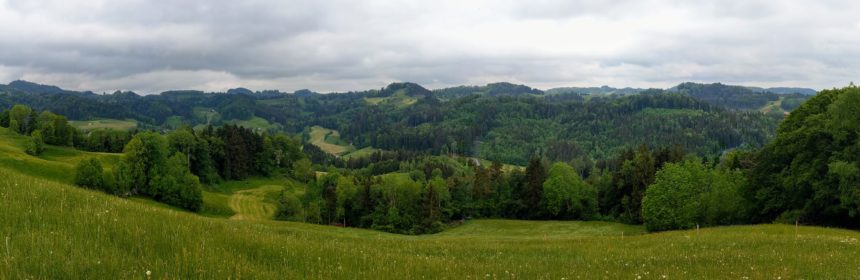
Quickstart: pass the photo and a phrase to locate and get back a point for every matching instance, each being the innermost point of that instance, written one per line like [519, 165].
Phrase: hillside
[480, 121]
[53, 230]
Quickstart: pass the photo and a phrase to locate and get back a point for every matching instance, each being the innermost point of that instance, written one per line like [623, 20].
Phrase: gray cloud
[150, 46]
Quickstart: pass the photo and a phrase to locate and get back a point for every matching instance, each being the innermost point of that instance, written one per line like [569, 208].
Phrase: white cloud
[347, 45]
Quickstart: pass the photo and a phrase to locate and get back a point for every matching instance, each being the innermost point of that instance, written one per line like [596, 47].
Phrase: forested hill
[499, 121]
[745, 98]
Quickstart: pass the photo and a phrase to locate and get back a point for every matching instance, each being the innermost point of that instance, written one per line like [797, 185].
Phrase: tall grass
[58, 231]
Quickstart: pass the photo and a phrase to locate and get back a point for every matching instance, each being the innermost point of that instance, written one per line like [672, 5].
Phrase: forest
[659, 157]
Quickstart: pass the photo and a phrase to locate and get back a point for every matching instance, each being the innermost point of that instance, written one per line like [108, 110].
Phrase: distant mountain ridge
[414, 89]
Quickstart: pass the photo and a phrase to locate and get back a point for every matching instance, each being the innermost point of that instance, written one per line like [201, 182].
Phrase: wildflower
[148, 273]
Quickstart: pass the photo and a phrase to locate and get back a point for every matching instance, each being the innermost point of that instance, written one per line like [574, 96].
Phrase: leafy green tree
[123, 179]
[20, 114]
[181, 140]
[4, 118]
[146, 157]
[673, 201]
[35, 144]
[289, 207]
[566, 195]
[535, 176]
[347, 192]
[14, 125]
[806, 173]
[178, 186]
[89, 174]
[689, 193]
[303, 171]
[55, 128]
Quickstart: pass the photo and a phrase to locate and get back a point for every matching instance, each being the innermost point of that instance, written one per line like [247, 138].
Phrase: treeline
[44, 127]
[170, 168]
[808, 175]
[49, 128]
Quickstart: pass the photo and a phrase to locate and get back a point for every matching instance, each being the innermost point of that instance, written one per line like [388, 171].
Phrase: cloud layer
[150, 46]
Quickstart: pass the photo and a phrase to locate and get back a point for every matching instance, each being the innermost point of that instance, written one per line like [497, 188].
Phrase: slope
[53, 230]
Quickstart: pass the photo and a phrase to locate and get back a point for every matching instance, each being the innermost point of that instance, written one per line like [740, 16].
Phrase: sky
[325, 46]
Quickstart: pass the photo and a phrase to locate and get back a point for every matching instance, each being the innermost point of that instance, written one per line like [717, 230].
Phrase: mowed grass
[255, 198]
[328, 141]
[105, 124]
[255, 204]
[53, 230]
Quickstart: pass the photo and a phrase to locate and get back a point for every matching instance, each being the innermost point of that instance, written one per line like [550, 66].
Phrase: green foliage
[689, 193]
[145, 156]
[808, 171]
[566, 195]
[56, 129]
[146, 169]
[20, 115]
[35, 144]
[120, 238]
[289, 208]
[302, 170]
[89, 174]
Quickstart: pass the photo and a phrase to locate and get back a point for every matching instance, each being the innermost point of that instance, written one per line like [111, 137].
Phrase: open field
[363, 152]
[329, 141]
[53, 230]
[773, 106]
[55, 163]
[104, 124]
[255, 123]
[399, 99]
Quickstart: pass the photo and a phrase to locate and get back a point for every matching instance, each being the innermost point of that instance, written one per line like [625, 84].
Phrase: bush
[289, 208]
[35, 145]
[89, 174]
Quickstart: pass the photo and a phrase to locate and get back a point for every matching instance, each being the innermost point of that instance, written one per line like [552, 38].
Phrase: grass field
[53, 230]
[104, 124]
[363, 152]
[773, 106]
[255, 123]
[329, 141]
[399, 99]
[50, 229]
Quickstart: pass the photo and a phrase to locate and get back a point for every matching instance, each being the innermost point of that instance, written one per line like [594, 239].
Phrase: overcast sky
[151, 46]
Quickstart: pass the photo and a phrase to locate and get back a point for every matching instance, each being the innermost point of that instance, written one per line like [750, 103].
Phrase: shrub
[89, 174]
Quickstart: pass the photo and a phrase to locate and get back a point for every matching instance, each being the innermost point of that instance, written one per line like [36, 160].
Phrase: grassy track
[255, 204]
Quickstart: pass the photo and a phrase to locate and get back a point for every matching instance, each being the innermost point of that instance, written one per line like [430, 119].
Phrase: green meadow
[329, 141]
[50, 229]
[104, 124]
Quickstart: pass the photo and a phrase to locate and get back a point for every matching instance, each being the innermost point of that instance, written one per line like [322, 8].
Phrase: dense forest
[665, 159]
[501, 121]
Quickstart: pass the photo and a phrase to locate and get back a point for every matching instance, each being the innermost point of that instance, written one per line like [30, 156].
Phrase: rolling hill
[51, 229]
